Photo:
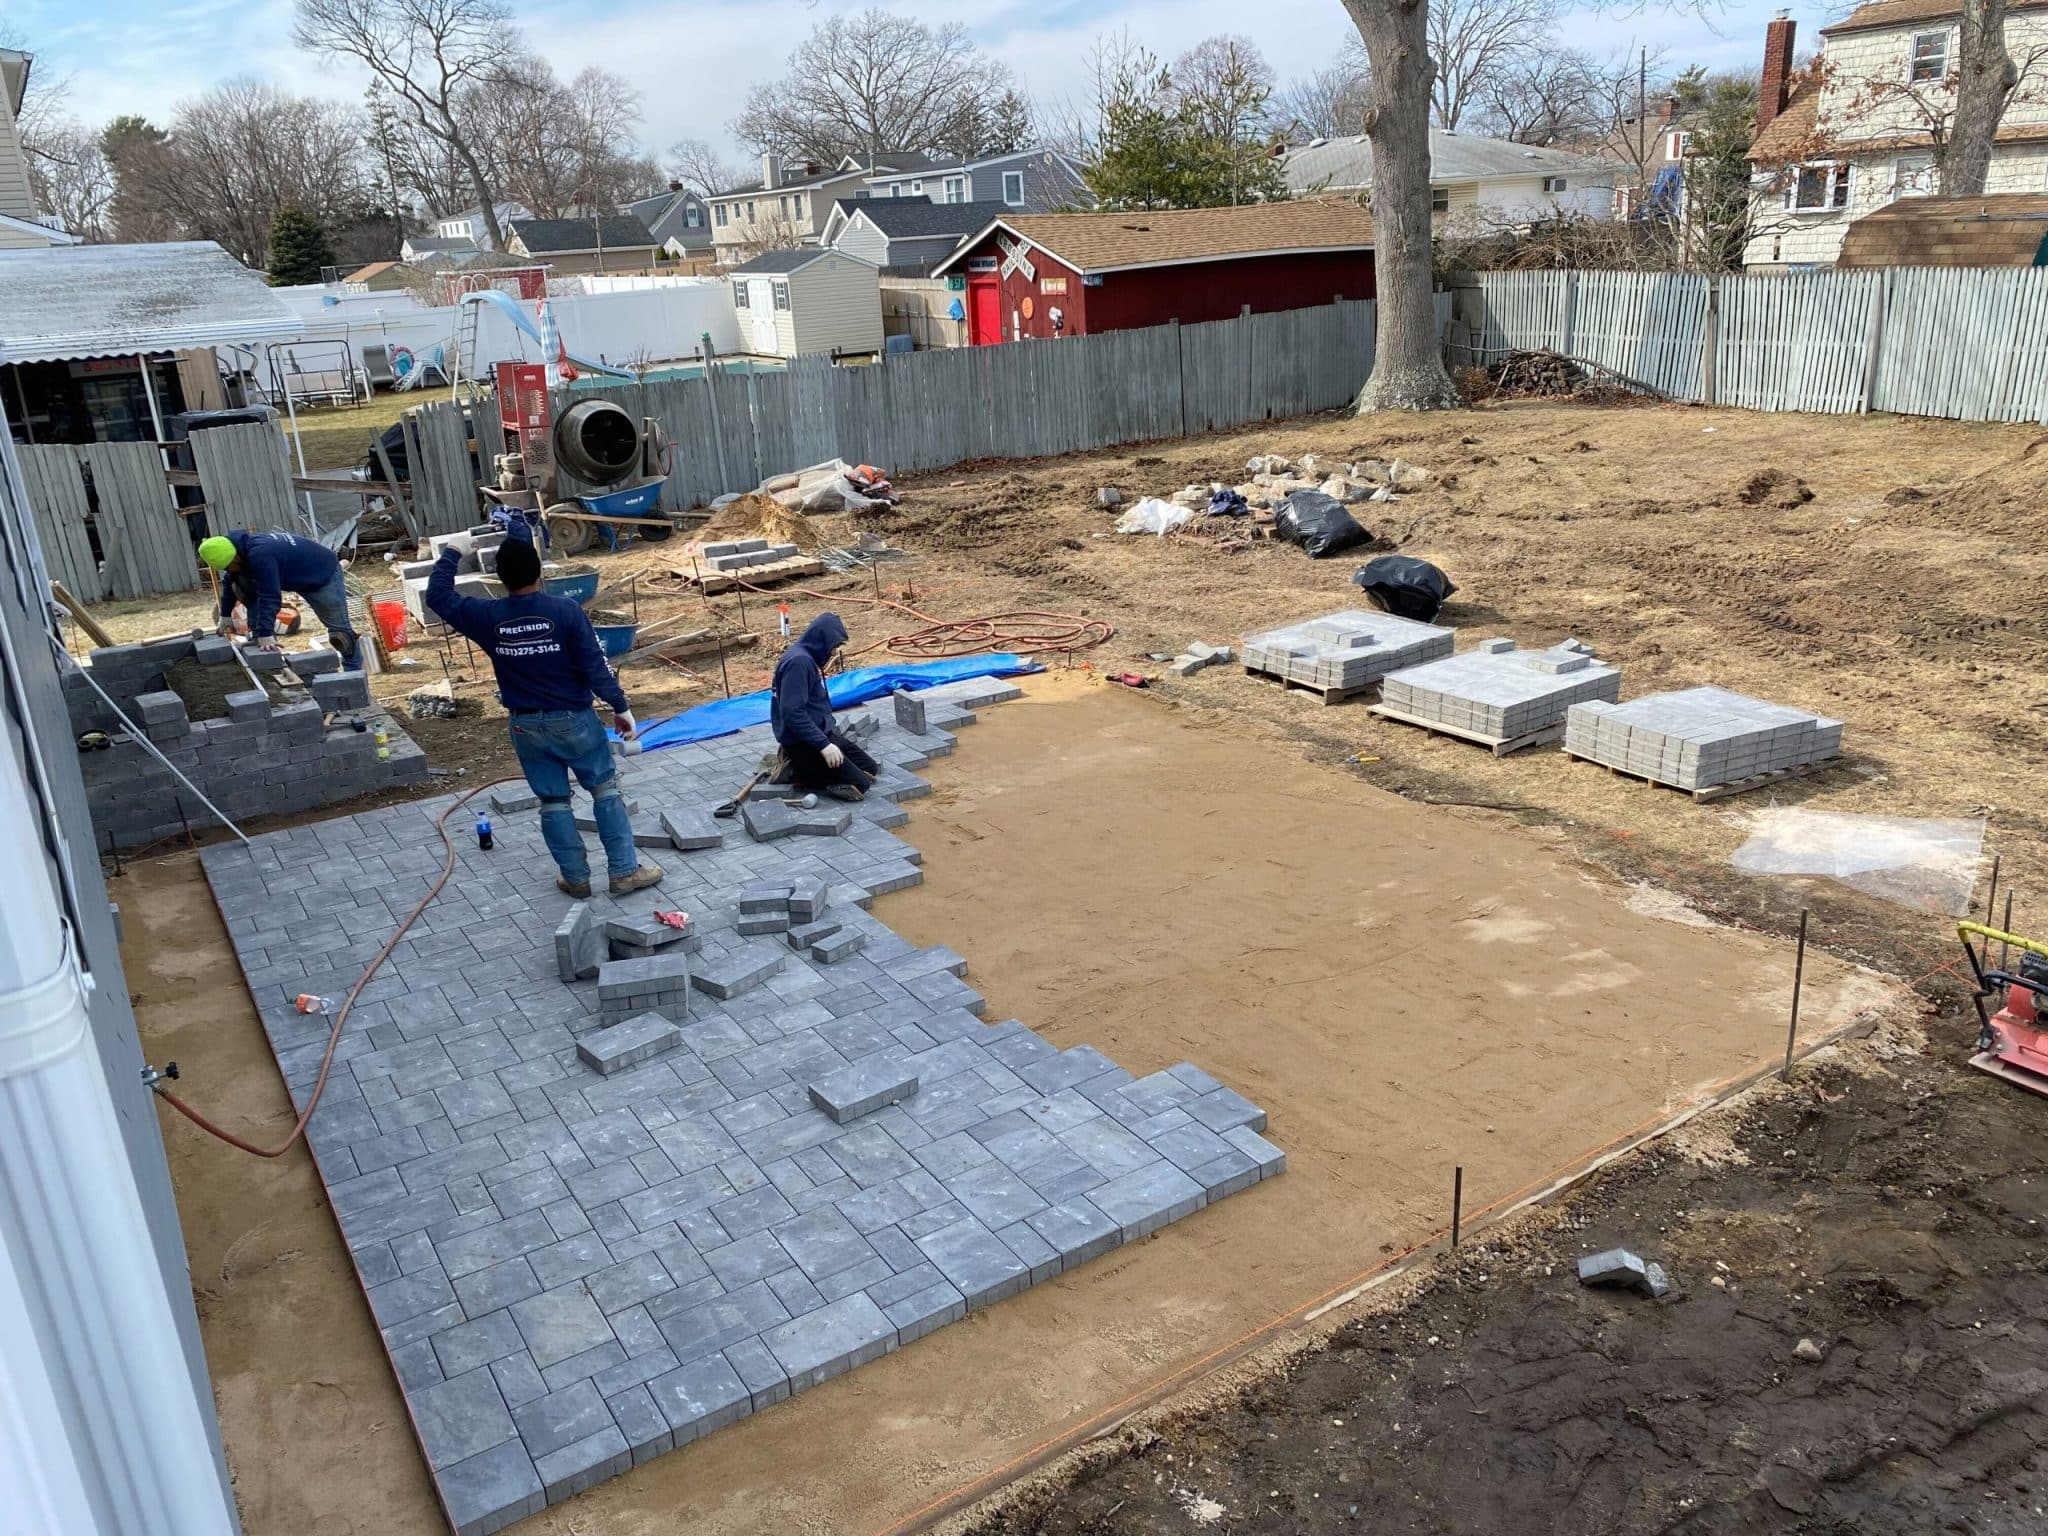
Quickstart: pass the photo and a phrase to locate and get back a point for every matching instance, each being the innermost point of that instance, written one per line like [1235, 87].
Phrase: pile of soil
[1774, 488]
[605, 618]
[755, 516]
[555, 569]
[205, 688]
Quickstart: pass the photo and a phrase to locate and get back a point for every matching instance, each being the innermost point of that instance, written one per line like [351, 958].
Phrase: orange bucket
[390, 616]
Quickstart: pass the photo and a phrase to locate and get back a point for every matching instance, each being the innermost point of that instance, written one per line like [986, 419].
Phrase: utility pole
[1642, 110]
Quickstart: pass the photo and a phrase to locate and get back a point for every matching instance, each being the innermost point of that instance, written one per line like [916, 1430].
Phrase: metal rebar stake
[1457, 1203]
[1798, 978]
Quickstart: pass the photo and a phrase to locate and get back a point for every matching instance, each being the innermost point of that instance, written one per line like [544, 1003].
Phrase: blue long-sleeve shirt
[800, 713]
[273, 564]
[541, 646]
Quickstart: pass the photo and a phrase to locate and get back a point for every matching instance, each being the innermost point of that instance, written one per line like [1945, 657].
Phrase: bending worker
[550, 668]
[257, 569]
[820, 759]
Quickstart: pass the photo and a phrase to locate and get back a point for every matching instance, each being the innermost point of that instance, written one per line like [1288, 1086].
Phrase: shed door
[761, 305]
[984, 312]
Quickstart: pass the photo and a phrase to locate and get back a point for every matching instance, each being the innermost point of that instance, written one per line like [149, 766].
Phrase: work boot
[846, 792]
[639, 880]
[580, 889]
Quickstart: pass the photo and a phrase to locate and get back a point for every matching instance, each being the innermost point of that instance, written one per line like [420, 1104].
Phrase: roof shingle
[619, 231]
[1109, 242]
[2007, 229]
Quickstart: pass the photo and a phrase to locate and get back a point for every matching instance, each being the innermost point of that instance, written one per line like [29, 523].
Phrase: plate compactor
[2013, 1042]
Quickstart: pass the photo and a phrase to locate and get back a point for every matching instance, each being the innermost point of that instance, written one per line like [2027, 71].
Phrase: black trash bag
[1405, 586]
[1318, 523]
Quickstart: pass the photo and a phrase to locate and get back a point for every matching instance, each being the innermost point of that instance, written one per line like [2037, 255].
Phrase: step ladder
[462, 376]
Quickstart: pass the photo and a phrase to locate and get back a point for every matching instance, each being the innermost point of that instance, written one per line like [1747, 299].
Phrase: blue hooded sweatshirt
[272, 565]
[801, 711]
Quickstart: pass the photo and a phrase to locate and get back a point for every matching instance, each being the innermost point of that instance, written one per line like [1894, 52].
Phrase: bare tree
[1548, 97]
[1328, 102]
[1475, 42]
[69, 176]
[700, 167]
[428, 53]
[1408, 366]
[860, 85]
[1224, 86]
[558, 147]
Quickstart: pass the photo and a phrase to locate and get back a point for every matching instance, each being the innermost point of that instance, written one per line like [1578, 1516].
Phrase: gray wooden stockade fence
[1969, 344]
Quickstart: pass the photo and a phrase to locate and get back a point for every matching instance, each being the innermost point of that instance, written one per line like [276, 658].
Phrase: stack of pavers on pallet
[1345, 652]
[267, 756]
[1499, 695]
[739, 554]
[579, 1265]
[473, 575]
[1700, 739]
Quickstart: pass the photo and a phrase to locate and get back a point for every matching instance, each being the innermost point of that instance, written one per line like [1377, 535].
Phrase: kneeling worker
[549, 668]
[257, 569]
[820, 759]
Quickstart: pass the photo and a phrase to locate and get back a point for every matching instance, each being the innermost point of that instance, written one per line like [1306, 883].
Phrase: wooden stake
[80, 614]
[1798, 977]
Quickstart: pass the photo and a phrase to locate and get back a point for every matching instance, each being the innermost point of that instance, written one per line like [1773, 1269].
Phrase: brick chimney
[1777, 81]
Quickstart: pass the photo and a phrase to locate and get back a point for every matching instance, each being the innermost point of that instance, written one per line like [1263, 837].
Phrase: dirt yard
[1886, 572]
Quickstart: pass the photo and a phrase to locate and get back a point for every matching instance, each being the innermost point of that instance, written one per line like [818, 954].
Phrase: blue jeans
[551, 746]
[329, 603]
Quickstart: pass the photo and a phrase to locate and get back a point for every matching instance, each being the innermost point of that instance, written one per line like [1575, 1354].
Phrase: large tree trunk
[1408, 366]
[1985, 81]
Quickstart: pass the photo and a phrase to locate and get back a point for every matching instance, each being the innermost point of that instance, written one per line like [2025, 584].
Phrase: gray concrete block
[579, 944]
[807, 899]
[840, 946]
[830, 1340]
[624, 1045]
[733, 975]
[768, 820]
[910, 712]
[863, 1087]
[493, 1489]
[510, 802]
[214, 651]
[802, 936]
[764, 923]
[248, 704]
[692, 831]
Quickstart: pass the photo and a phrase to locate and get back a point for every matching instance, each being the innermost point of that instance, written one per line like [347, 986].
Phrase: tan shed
[808, 301]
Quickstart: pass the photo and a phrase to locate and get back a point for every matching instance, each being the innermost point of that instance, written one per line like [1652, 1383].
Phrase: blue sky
[693, 59]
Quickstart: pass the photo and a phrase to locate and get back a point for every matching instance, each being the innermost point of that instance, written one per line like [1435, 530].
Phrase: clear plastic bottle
[307, 1002]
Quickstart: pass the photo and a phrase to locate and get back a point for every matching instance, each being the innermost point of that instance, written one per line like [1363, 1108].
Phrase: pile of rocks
[1273, 477]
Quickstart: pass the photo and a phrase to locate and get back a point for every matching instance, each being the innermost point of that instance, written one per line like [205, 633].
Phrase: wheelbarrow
[614, 517]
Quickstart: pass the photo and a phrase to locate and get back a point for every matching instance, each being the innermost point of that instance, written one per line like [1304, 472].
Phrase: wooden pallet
[1715, 792]
[1329, 695]
[1501, 745]
[714, 582]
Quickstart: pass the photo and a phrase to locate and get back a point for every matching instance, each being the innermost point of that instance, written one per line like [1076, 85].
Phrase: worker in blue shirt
[257, 569]
[800, 714]
[550, 668]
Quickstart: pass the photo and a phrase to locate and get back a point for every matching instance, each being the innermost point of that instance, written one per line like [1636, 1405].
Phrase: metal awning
[126, 300]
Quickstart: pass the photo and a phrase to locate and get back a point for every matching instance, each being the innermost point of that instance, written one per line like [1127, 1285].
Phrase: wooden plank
[56, 498]
[246, 477]
[1501, 745]
[137, 516]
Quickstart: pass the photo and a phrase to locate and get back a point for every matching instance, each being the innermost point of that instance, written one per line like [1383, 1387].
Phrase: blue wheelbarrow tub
[616, 639]
[578, 589]
[635, 501]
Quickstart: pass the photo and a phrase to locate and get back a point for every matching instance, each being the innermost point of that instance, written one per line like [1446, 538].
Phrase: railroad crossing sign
[1017, 258]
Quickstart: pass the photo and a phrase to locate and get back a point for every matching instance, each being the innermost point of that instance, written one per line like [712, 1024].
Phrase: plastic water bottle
[307, 1002]
[483, 831]
[383, 744]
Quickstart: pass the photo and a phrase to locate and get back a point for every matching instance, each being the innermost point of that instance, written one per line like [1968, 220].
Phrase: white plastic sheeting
[1928, 864]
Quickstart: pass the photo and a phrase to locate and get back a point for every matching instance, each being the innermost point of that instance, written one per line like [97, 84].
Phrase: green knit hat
[217, 552]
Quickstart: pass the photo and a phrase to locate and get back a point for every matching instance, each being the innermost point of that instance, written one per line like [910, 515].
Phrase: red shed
[1077, 274]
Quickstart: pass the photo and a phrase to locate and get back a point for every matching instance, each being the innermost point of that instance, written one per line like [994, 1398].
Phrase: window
[799, 202]
[1439, 199]
[785, 205]
[781, 294]
[1013, 188]
[721, 215]
[1820, 188]
[750, 210]
[693, 216]
[1913, 176]
[1677, 145]
[895, 189]
[1930, 58]
[917, 189]
[1553, 183]
[739, 293]
[862, 195]
[955, 189]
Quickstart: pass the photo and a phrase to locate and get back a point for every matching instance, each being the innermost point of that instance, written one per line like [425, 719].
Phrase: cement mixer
[620, 463]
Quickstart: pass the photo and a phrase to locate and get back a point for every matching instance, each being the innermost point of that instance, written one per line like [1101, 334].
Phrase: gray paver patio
[576, 1270]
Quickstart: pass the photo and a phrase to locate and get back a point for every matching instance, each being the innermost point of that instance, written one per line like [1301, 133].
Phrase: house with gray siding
[21, 225]
[1029, 181]
[905, 236]
[679, 220]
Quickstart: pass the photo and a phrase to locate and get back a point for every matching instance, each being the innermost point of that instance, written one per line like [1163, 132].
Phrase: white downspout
[95, 1393]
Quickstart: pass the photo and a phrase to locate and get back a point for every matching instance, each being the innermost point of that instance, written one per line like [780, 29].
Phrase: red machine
[2012, 1043]
[529, 423]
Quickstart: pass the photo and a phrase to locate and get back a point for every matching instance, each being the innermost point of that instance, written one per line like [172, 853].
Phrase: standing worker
[820, 758]
[257, 569]
[549, 668]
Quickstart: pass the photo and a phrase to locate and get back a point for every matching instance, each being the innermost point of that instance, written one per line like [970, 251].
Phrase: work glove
[832, 755]
[268, 643]
[628, 727]
[225, 629]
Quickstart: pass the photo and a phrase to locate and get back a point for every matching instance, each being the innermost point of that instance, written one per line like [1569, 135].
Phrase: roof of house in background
[919, 218]
[14, 68]
[1115, 242]
[1899, 13]
[50, 233]
[614, 231]
[2006, 229]
[442, 245]
[663, 214]
[120, 300]
[782, 263]
[884, 164]
[1347, 162]
[373, 270]
[950, 163]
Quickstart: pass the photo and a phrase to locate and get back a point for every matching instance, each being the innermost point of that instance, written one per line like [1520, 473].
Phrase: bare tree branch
[1473, 43]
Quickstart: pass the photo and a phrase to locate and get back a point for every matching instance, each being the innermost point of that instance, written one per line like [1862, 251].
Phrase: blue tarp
[847, 689]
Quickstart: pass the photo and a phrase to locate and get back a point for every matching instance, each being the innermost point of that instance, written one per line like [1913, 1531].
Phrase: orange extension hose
[341, 1014]
[1018, 629]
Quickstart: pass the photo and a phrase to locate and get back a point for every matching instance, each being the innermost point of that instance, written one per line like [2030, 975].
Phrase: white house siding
[862, 239]
[837, 306]
[1850, 109]
[15, 199]
[1522, 198]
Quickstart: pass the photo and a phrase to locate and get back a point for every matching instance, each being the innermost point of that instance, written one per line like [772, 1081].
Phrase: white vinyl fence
[1966, 343]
